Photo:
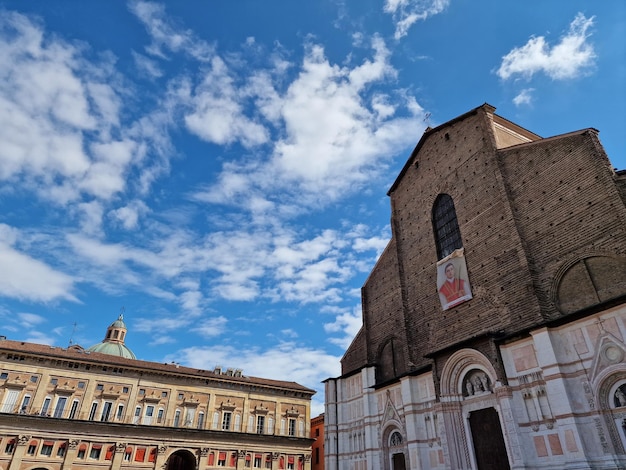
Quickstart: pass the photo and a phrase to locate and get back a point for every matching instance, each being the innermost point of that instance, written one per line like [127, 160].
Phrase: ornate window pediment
[228, 405]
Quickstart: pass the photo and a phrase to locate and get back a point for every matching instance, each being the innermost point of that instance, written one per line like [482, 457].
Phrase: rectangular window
[33, 378]
[45, 407]
[81, 454]
[124, 389]
[4, 376]
[128, 455]
[61, 450]
[46, 449]
[147, 419]
[92, 412]
[190, 416]
[226, 417]
[163, 394]
[160, 415]
[10, 447]
[200, 420]
[177, 418]
[73, 409]
[221, 459]
[25, 403]
[58, 410]
[54, 381]
[106, 411]
[120, 412]
[81, 385]
[142, 391]
[257, 461]
[10, 401]
[260, 424]
[31, 449]
[292, 427]
[95, 452]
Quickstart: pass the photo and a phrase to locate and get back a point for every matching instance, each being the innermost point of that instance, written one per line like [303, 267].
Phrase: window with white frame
[260, 424]
[226, 419]
[137, 414]
[46, 406]
[24, 405]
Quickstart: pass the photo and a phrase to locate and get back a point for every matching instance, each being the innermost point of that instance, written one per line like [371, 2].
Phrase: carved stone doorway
[397, 461]
[489, 447]
[181, 460]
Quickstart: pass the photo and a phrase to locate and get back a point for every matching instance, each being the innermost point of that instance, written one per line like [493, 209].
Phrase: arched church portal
[395, 451]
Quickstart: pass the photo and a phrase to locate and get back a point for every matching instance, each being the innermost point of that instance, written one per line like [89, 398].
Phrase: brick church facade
[494, 323]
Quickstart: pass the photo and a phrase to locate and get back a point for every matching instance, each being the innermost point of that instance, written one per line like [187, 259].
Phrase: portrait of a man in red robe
[453, 284]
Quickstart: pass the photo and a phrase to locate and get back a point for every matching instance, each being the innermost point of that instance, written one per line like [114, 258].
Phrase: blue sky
[219, 169]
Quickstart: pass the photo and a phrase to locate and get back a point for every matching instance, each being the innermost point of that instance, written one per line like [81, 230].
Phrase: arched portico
[181, 460]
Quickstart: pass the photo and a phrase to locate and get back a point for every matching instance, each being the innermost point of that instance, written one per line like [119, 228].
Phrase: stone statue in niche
[620, 396]
[476, 382]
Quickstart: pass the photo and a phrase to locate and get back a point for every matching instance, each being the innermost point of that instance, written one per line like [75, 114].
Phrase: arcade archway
[181, 460]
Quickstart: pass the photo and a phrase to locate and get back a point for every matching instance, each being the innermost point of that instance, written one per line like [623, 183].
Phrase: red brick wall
[522, 213]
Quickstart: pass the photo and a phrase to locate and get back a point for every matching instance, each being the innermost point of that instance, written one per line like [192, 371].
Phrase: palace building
[494, 322]
[101, 408]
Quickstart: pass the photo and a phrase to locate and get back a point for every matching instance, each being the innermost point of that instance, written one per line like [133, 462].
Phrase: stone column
[161, 456]
[18, 453]
[241, 459]
[70, 454]
[118, 456]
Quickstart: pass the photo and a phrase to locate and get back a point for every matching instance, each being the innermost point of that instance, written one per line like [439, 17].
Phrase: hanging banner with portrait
[452, 281]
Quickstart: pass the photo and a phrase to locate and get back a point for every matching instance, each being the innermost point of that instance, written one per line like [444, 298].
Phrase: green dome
[119, 323]
[113, 342]
[114, 349]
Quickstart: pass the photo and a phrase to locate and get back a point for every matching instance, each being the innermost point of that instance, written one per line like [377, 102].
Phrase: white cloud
[26, 278]
[217, 113]
[407, 12]
[166, 34]
[210, 327]
[348, 323]
[334, 135]
[30, 320]
[571, 57]
[147, 66]
[58, 115]
[128, 215]
[524, 97]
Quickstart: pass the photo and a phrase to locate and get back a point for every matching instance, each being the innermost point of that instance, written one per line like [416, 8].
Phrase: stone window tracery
[395, 439]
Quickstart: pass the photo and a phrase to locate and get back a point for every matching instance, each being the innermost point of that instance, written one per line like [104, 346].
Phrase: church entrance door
[489, 447]
[398, 462]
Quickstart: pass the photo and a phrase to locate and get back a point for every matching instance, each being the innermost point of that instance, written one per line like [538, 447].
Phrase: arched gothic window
[445, 226]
